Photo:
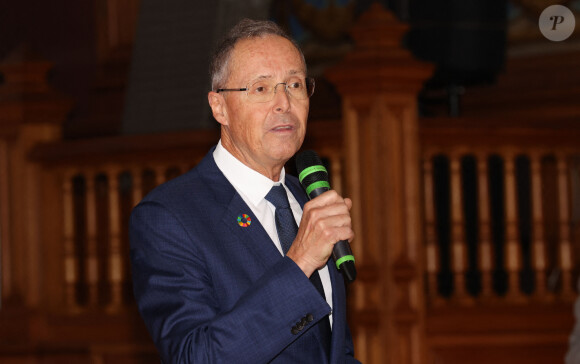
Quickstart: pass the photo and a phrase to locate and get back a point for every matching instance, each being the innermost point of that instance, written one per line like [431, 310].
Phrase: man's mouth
[283, 128]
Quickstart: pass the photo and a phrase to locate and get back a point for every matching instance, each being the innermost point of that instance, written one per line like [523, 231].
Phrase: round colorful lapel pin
[244, 220]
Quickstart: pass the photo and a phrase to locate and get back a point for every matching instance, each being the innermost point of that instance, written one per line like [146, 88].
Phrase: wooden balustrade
[95, 246]
[94, 185]
[101, 180]
[501, 216]
[500, 205]
[510, 222]
[469, 179]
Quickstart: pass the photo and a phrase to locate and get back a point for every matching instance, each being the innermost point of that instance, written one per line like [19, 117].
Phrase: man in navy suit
[214, 279]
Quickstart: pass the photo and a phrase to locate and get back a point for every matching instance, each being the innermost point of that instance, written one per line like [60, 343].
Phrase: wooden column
[159, 174]
[565, 248]
[70, 259]
[137, 185]
[539, 262]
[513, 250]
[6, 281]
[379, 82]
[458, 244]
[30, 113]
[91, 255]
[432, 263]
[485, 246]
[115, 253]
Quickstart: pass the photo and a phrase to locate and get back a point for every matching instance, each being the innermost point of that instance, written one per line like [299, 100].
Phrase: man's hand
[325, 221]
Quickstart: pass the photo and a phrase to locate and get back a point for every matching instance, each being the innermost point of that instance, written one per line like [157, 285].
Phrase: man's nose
[281, 98]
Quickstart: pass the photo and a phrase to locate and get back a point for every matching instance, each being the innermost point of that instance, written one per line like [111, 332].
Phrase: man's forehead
[252, 51]
[256, 42]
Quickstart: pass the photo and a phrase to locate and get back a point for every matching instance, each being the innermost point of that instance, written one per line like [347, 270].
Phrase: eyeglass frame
[247, 88]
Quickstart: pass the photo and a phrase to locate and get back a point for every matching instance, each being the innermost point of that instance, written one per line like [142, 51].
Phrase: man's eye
[260, 89]
[295, 85]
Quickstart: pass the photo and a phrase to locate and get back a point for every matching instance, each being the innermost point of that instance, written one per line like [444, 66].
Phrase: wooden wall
[66, 287]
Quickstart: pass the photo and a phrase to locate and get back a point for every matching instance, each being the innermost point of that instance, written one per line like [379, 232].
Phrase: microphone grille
[307, 159]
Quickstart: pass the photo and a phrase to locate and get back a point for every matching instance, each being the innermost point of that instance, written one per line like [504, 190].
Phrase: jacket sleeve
[173, 288]
[349, 348]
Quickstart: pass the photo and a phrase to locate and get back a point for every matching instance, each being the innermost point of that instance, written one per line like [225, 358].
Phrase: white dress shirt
[253, 188]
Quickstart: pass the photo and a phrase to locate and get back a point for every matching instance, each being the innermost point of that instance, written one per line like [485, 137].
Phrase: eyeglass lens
[264, 90]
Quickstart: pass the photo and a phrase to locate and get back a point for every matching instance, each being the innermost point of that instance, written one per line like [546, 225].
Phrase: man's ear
[218, 107]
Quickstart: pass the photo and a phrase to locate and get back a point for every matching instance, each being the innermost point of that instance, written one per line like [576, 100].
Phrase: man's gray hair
[245, 29]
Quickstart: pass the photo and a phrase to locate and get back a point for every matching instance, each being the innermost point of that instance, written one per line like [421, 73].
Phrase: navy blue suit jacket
[212, 291]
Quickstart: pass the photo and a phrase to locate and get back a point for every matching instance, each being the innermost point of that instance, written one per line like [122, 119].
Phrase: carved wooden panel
[116, 27]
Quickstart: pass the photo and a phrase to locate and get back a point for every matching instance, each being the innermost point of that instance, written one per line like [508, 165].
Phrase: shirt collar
[255, 186]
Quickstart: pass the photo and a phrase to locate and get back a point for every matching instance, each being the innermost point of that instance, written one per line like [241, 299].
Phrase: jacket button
[294, 331]
[309, 317]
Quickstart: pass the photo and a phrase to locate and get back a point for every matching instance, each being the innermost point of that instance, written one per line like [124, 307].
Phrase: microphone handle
[344, 260]
[341, 253]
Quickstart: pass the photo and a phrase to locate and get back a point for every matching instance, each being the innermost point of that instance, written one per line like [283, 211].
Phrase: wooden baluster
[458, 245]
[115, 256]
[336, 171]
[6, 281]
[137, 185]
[512, 243]
[574, 172]
[183, 167]
[565, 248]
[70, 260]
[432, 250]
[539, 263]
[485, 247]
[160, 175]
[91, 258]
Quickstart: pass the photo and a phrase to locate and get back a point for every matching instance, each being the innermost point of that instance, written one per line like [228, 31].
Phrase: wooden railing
[500, 204]
[97, 184]
[501, 215]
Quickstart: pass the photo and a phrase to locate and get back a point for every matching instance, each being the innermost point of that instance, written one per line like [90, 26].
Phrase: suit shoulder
[175, 188]
[197, 183]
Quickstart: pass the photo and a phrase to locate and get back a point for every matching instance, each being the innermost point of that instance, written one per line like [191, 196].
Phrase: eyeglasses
[264, 90]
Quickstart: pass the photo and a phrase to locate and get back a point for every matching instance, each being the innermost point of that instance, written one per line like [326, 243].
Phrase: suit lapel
[252, 235]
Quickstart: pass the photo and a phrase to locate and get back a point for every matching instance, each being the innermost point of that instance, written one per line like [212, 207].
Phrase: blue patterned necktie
[285, 223]
[287, 230]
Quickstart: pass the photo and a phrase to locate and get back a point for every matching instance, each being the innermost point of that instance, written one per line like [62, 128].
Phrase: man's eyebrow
[295, 72]
[292, 72]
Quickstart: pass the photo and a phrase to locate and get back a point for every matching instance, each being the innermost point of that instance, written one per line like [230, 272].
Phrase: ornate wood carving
[30, 113]
[378, 82]
[116, 26]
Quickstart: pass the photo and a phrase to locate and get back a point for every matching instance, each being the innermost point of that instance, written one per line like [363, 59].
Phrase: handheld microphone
[314, 179]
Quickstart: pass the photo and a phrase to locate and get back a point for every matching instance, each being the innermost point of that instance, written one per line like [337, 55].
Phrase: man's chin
[283, 153]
